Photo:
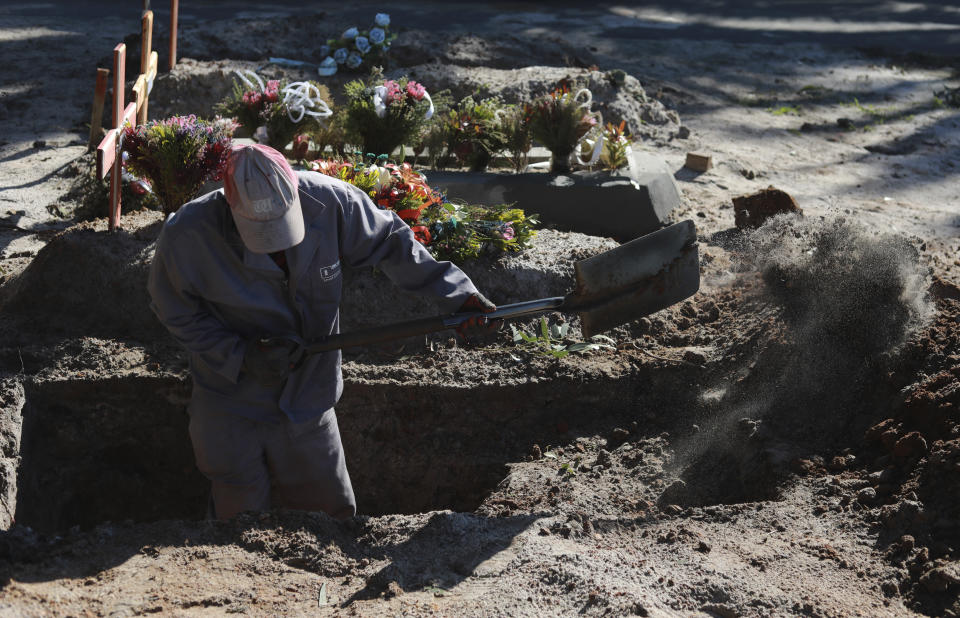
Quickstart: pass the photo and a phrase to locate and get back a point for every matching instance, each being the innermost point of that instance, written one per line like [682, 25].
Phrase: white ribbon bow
[598, 144]
[259, 85]
[299, 96]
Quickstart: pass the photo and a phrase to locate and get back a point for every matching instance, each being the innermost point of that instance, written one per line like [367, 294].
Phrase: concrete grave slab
[623, 205]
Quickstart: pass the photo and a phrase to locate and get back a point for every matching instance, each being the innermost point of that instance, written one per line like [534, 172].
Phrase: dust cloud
[847, 299]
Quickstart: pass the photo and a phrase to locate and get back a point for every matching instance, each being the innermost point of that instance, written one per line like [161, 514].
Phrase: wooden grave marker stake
[108, 152]
[96, 115]
[174, 10]
[146, 55]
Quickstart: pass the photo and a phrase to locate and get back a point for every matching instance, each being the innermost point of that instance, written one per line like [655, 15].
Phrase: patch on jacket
[328, 273]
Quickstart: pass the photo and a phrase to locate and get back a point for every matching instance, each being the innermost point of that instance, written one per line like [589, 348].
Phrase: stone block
[622, 205]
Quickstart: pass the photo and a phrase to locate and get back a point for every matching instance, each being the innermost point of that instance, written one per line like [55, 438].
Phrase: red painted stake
[119, 76]
[174, 10]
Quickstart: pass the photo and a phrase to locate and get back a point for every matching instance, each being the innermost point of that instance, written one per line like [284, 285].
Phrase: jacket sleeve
[370, 236]
[183, 312]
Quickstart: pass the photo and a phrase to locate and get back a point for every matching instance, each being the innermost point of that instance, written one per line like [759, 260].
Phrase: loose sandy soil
[785, 443]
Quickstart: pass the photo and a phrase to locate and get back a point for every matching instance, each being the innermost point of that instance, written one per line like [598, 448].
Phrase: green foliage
[616, 142]
[455, 232]
[947, 96]
[559, 121]
[381, 130]
[550, 340]
[517, 137]
[462, 232]
[178, 155]
[239, 108]
[473, 132]
[331, 133]
[783, 110]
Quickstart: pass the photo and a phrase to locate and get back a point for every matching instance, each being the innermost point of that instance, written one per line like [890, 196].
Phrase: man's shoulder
[198, 215]
[328, 189]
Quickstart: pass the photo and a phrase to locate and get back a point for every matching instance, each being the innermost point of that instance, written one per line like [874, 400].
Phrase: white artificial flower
[363, 45]
[328, 67]
[377, 36]
[380, 175]
[354, 60]
[379, 103]
[350, 33]
[382, 20]
[341, 55]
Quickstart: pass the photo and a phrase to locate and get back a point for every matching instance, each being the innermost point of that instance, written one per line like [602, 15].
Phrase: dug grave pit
[97, 449]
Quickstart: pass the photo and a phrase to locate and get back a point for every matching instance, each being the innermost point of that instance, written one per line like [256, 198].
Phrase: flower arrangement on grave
[331, 134]
[560, 120]
[517, 138]
[178, 155]
[276, 111]
[383, 114]
[455, 232]
[616, 147]
[357, 48]
[473, 132]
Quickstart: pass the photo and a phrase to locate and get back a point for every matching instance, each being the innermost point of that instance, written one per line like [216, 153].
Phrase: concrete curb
[619, 205]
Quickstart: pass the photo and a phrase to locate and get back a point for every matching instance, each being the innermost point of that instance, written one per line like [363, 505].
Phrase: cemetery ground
[786, 442]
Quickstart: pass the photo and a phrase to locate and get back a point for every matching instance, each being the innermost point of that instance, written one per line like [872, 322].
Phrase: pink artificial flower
[251, 99]
[272, 92]
[415, 90]
[394, 94]
[508, 233]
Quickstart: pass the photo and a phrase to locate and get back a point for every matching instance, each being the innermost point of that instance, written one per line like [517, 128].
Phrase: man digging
[263, 259]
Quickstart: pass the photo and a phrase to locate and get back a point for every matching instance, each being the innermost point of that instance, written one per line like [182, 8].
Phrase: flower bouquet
[178, 155]
[616, 147]
[560, 120]
[515, 128]
[474, 133]
[282, 109]
[357, 47]
[450, 231]
[383, 114]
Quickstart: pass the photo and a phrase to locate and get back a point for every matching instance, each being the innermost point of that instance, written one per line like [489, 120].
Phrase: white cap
[261, 189]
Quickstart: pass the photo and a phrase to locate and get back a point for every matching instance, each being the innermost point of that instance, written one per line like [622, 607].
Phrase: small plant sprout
[549, 340]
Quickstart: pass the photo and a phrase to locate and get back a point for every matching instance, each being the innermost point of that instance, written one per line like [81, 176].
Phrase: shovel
[618, 286]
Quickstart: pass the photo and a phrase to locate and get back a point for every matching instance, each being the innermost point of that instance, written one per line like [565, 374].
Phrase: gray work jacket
[213, 294]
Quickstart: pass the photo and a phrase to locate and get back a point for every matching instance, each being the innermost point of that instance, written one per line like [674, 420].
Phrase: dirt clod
[752, 211]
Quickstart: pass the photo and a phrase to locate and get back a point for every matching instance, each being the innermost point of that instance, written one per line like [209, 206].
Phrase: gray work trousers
[254, 465]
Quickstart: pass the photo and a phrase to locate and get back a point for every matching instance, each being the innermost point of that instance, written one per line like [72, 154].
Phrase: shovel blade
[638, 278]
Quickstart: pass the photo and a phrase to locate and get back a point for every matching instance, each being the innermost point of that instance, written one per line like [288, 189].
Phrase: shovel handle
[402, 330]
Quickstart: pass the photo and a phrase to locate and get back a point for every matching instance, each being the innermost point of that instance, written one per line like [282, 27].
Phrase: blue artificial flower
[377, 36]
[354, 60]
[328, 67]
[382, 20]
[324, 50]
[341, 55]
[350, 33]
[363, 45]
